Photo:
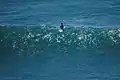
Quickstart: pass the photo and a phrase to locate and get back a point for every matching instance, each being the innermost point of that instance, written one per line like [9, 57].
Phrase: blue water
[44, 53]
[37, 50]
[95, 13]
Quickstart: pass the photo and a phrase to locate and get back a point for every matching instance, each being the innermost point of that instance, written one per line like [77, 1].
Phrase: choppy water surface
[96, 13]
[33, 48]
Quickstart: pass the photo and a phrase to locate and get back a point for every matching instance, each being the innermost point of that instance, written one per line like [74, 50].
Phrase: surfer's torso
[62, 26]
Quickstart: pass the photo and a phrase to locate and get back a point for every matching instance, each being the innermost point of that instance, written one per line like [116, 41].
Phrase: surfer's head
[61, 23]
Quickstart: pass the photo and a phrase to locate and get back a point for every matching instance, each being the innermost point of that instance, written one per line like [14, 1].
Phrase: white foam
[38, 35]
[80, 38]
[1, 40]
[37, 40]
[60, 30]
[119, 34]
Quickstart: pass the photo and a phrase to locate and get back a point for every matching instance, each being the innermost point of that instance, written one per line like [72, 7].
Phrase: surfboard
[60, 30]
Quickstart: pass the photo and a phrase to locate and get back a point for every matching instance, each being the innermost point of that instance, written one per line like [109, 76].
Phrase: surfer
[62, 26]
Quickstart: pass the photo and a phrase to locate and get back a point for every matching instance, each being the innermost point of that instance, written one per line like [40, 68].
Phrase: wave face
[41, 39]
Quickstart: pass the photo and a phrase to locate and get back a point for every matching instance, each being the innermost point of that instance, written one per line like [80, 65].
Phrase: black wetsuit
[62, 26]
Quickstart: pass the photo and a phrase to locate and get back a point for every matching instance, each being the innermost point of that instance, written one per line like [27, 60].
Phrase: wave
[32, 40]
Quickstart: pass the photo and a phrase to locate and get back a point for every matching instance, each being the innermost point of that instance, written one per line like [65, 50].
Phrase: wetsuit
[62, 26]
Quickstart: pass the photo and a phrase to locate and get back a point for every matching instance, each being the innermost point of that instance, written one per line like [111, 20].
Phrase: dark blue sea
[32, 47]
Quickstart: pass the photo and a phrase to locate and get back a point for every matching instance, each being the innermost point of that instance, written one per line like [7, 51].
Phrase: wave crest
[48, 38]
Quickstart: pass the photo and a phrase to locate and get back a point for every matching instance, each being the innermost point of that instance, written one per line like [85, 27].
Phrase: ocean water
[44, 53]
[32, 47]
[95, 13]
